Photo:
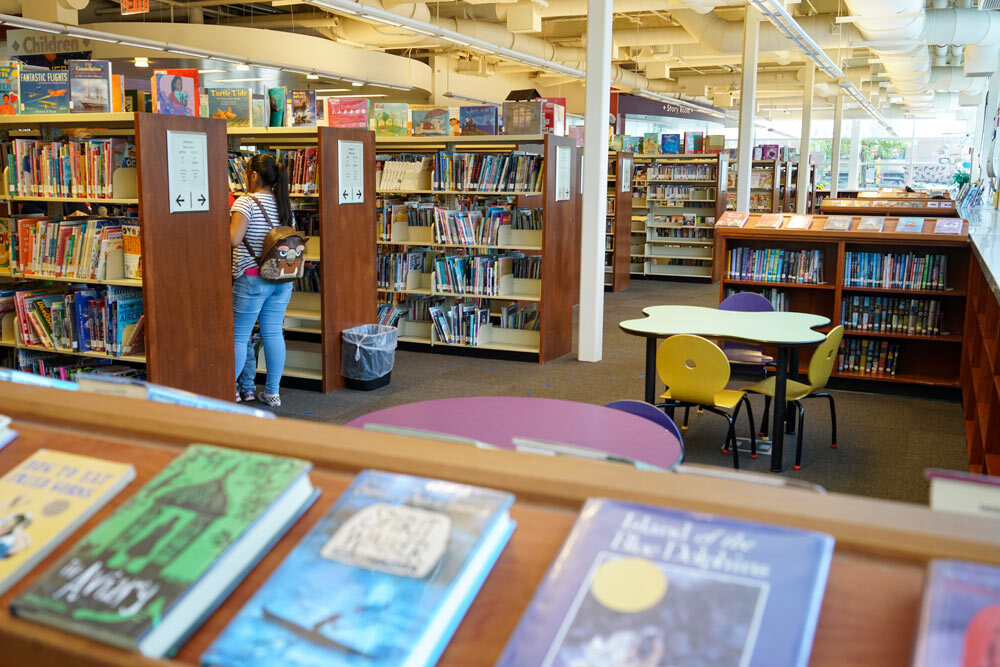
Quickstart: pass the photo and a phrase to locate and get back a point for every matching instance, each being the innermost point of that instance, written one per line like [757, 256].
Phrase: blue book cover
[382, 579]
[670, 144]
[642, 585]
[478, 121]
[960, 619]
[45, 92]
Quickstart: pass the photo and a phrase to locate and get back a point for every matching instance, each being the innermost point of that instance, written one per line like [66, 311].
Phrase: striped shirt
[257, 229]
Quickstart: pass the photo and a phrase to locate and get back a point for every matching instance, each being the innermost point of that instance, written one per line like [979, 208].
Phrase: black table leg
[778, 423]
[651, 370]
[793, 374]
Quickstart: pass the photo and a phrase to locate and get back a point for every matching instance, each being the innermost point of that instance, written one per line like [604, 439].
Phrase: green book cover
[118, 582]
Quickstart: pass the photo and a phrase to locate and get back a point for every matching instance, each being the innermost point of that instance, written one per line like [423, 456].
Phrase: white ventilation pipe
[557, 8]
[979, 30]
[952, 79]
[722, 36]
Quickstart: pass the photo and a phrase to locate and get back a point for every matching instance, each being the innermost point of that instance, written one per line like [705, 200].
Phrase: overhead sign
[187, 171]
[135, 7]
[350, 172]
[33, 43]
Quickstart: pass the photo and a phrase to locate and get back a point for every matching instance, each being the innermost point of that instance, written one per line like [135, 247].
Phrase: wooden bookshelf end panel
[559, 256]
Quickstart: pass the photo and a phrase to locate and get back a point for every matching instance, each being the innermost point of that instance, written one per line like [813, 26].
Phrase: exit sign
[135, 7]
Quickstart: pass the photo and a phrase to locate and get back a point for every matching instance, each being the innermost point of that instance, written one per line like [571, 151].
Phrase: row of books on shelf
[868, 356]
[107, 320]
[77, 168]
[73, 247]
[515, 171]
[67, 368]
[687, 233]
[680, 172]
[654, 143]
[889, 203]
[471, 227]
[459, 324]
[777, 297]
[682, 220]
[390, 570]
[476, 275]
[680, 192]
[775, 265]
[898, 270]
[300, 168]
[883, 314]
[775, 152]
[839, 223]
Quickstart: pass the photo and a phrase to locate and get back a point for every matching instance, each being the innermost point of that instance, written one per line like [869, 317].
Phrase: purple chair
[744, 357]
[653, 414]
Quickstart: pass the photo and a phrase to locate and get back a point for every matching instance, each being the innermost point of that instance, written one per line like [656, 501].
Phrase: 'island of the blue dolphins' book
[641, 585]
[384, 578]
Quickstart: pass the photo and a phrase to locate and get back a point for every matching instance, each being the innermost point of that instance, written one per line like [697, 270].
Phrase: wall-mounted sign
[34, 43]
[135, 7]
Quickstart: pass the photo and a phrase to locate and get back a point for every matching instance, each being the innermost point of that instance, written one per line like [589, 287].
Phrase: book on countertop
[45, 91]
[89, 86]
[960, 615]
[871, 223]
[347, 112]
[428, 120]
[392, 119]
[231, 105]
[733, 219]
[175, 549]
[303, 107]
[276, 100]
[523, 118]
[770, 221]
[638, 580]
[175, 92]
[384, 578]
[10, 87]
[964, 492]
[910, 225]
[837, 223]
[46, 497]
[948, 226]
[478, 120]
[799, 222]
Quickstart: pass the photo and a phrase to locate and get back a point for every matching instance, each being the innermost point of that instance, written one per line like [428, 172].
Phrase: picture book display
[799, 222]
[44, 498]
[260, 111]
[383, 578]
[632, 145]
[231, 105]
[10, 94]
[770, 221]
[175, 92]
[478, 120]
[871, 223]
[44, 92]
[276, 99]
[347, 112]
[174, 549]
[960, 616]
[733, 219]
[911, 225]
[523, 118]
[554, 115]
[651, 143]
[838, 223]
[670, 144]
[303, 107]
[427, 120]
[674, 588]
[89, 86]
[948, 226]
[391, 119]
[694, 142]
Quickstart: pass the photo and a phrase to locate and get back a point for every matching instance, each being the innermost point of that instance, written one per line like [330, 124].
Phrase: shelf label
[626, 175]
[564, 169]
[350, 172]
[187, 171]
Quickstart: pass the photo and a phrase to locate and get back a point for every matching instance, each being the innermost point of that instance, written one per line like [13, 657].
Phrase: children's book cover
[733, 219]
[910, 225]
[89, 86]
[230, 104]
[260, 112]
[44, 498]
[478, 120]
[427, 120]
[45, 91]
[277, 97]
[554, 115]
[670, 144]
[632, 145]
[158, 543]
[799, 222]
[694, 142]
[870, 223]
[522, 118]
[770, 221]
[838, 223]
[5, 245]
[948, 226]
[10, 87]
[644, 585]
[651, 143]
[131, 249]
[366, 585]
[392, 119]
[347, 112]
[175, 92]
[303, 107]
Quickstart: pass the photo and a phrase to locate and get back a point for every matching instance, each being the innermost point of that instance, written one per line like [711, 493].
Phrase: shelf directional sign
[350, 171]
[187, 171]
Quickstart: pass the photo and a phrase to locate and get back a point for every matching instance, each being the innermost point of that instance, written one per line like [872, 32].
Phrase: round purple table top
[497, 420]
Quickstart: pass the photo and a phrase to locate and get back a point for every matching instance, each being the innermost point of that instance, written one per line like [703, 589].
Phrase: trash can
[367, 354]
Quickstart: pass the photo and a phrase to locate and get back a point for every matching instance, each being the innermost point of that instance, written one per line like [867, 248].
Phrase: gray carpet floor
[886, 440]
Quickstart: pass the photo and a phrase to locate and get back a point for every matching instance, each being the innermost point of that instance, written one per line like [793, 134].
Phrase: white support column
[595, 177]
[838, 121]
[802, 186]
[854, 156]
[748, 104]
[978, 141]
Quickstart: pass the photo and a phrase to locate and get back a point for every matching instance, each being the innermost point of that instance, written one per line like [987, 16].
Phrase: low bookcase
[980, 374]
[618, 221]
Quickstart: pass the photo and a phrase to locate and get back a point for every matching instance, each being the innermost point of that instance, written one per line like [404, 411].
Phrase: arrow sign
[201, 199]
[346, 194]
[180, 200]
[357, 195]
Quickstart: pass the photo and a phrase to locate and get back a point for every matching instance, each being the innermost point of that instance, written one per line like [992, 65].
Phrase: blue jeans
[253, 298]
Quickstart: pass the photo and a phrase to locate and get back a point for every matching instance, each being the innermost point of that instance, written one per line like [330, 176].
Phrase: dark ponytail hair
[272, 174]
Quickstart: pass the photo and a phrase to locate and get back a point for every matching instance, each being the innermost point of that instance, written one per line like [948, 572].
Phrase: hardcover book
[523, 118]
[733, 219]
[45, 92]
[839, 223]
[276, 98]
[770, 221]
[670, 144]
[260, 111]
[347, 112]
[392, 119]
[871, 223]
[799, 222]
[44, 498]
[10, 87]
[948, 226]
[303, 107]
[643, 585]
[383, 578]
[175, 92]
[172, 551]
[651, 143]
[632, 145]
[554, 115]
[478, 121]
[910, 225]
[694, 142]
[89, 86]
[960, 617]
[429, 121]
[231, 105]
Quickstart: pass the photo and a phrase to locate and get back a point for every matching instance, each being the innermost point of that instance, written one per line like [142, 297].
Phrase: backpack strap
[267, 218]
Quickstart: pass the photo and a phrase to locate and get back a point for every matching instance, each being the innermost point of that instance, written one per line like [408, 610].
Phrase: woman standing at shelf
[265, 205]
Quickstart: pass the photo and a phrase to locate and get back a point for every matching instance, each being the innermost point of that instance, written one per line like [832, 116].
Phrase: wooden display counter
[869, 613]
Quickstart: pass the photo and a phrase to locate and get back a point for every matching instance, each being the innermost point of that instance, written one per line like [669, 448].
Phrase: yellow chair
[696, 372]
[820, 367]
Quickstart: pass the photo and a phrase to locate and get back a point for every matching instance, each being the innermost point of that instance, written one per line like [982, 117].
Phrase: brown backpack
[282, 254]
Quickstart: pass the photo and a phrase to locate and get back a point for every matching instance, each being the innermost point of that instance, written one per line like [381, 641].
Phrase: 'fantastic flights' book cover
[45, 92]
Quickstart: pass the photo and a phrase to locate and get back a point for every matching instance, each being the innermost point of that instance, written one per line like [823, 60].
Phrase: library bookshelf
[923, 359]
[344, 248]
[871, 604]
[677, 199]
[980, 374]
[765, 189]
[184, 282]
[789, 187]
[556, 244]
[618, 244]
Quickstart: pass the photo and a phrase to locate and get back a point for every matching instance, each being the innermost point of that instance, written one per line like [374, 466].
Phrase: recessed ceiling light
[312, 76]
[212, 71]
[243, 67]
[349, 96]
[357, 84]
[140, 61]
[331, 90]
[260, 78]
